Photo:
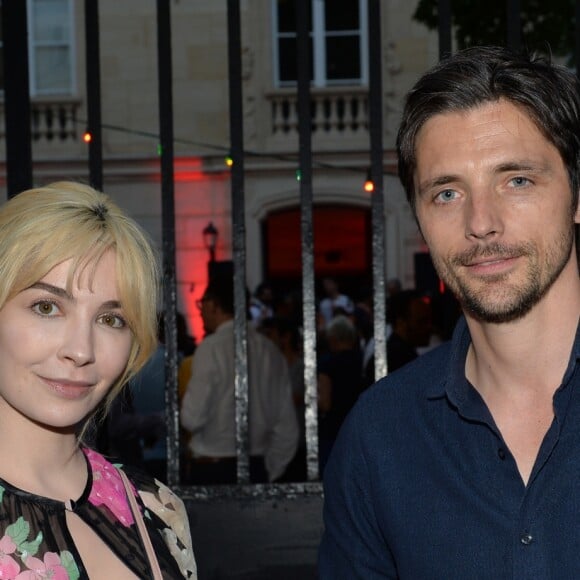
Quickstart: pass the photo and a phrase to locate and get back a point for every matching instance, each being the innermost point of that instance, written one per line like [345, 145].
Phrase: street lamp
[210, 236]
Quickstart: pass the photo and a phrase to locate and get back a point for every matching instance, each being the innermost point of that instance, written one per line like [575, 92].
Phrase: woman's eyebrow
[61, 292]
[112, 304]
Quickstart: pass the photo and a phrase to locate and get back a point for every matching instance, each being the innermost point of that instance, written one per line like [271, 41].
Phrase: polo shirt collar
[574, 357]
[455, 385]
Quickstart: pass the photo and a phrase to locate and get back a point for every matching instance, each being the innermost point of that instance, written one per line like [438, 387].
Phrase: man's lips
[489, 261]
[491, 265]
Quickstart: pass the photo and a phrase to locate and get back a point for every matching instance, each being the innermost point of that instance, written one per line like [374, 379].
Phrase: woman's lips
[68, 389]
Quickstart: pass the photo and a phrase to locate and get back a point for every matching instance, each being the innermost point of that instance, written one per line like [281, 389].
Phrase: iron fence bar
[306, 202]
[577, 38]
[444, 29]
[168, 220]
[377, 200]
[16, 97]
[514, 37]
[93, 82]
[577, 63]
[239, 239]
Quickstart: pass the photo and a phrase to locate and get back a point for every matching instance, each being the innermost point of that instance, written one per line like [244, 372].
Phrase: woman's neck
[44, 461]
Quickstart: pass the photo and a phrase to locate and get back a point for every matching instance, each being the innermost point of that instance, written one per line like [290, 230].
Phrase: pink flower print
[50, 568]
[9, 567]
[108, 488]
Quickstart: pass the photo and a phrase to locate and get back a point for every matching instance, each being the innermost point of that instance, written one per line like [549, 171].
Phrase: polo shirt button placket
[526, 539]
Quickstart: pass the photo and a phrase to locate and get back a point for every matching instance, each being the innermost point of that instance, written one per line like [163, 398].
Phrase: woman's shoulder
[169, 513]
[168, 507]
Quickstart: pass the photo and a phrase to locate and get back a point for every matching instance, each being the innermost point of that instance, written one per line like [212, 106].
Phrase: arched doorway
[342, 247]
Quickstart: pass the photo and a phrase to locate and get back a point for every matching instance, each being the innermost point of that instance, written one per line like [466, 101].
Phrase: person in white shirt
[261, 304]
[208, 406]
[334, 302]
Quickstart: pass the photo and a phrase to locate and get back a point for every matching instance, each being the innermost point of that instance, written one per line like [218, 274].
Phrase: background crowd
[135, 429]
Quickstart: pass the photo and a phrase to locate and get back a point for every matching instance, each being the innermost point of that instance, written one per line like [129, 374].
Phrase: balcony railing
[335, 111]
[53, 119]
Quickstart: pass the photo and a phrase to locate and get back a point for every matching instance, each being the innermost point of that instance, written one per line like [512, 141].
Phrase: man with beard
[466, 463]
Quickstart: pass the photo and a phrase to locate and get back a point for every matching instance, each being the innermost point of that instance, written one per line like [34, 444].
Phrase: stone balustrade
[335, 111]
[53, 119]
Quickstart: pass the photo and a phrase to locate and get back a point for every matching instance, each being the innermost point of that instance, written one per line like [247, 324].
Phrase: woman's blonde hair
[43, 227]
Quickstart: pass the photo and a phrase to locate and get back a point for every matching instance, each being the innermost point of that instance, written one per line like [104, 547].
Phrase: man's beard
[493, 298]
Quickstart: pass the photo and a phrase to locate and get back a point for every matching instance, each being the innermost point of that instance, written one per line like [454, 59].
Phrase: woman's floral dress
[35, 542]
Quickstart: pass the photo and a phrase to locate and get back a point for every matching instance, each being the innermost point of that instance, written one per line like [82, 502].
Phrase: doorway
[342, 247]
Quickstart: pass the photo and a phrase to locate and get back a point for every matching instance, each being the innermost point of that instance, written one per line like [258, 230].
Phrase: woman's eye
[45, 308]
[113, 320]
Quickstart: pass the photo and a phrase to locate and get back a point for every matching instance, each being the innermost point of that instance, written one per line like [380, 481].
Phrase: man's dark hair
[548, 93]
[284, 327]
[220, 289]
[399, 305]
[261, 288]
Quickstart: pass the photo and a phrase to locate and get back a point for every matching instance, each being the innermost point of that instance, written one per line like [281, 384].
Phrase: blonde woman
[78, 292]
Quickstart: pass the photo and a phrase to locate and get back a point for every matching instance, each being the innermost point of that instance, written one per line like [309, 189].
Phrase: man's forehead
[480, 132]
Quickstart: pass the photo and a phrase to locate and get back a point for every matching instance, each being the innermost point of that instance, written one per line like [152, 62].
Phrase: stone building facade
[201, 126]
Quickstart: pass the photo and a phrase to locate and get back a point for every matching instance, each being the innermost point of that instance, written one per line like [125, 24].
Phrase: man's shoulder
[404, 388]
[392, 420]
[262, 342]
[224, 333]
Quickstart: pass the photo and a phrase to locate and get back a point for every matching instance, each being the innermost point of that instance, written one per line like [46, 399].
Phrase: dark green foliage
[546, 26]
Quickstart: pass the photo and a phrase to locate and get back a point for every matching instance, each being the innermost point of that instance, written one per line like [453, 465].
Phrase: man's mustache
[488, 252]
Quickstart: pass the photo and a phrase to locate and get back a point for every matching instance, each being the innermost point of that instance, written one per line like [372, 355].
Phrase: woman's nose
[78, 343]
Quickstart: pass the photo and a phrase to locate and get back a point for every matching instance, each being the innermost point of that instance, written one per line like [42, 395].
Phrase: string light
[87, 138]
[369, 186]
[229, 161]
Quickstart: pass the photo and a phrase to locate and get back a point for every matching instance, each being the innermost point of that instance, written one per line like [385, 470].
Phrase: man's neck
[516, 367]
[531, 352]
[221, 319]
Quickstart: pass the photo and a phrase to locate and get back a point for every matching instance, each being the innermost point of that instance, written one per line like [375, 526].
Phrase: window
[338, 34]
[1, 52]
[50, 48]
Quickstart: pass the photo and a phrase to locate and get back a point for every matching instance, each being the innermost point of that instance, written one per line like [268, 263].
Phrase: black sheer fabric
[34, 533]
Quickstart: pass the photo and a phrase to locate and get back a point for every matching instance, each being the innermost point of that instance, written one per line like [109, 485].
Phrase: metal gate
[242, 531]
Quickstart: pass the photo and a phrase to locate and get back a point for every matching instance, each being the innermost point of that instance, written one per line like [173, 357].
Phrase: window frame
[33, 45]
[319, 36]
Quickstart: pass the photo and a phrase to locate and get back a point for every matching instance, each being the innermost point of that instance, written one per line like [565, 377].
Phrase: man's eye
[45, 308]
[113, 320]
[446, 195]
[520, 181]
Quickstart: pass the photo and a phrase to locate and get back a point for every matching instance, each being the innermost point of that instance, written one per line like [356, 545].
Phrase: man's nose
[483, 217]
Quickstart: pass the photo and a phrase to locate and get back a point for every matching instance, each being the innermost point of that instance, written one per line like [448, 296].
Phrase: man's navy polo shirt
[420, 484]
